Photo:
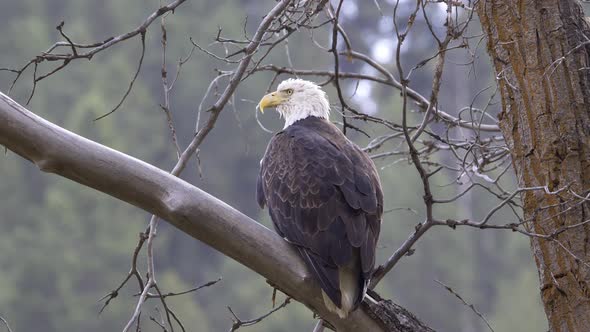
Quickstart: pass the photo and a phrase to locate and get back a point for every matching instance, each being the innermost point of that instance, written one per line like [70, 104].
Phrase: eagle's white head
[297, 99]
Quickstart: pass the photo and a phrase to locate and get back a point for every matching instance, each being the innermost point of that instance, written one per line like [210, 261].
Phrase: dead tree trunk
[540, 50]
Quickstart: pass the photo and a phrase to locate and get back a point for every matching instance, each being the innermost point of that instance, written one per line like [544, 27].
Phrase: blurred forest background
[64, 246]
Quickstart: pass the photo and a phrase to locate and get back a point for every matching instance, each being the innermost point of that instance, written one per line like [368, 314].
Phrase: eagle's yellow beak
[270, 100]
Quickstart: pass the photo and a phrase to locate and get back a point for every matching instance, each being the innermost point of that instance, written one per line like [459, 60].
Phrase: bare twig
[132, 272]
[470, 306]
[237, 322]
[5, 323]
[151, 282]
[130, 83]
[194, 289]
[167, 88]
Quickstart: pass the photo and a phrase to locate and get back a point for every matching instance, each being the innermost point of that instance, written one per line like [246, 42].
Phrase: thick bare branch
[200, 215]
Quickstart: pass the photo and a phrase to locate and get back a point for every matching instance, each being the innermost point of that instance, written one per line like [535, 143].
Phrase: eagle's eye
[289, 91]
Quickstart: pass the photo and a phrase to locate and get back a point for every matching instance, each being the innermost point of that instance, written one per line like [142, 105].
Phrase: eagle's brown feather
[324, 196]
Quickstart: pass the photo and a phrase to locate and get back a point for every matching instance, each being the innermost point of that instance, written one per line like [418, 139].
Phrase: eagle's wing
[324, 197]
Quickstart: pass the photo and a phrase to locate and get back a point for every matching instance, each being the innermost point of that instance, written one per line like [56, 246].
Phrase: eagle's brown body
[324, 197]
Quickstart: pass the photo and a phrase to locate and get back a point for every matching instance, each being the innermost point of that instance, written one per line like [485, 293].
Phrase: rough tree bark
[540, 50]
[200, 215]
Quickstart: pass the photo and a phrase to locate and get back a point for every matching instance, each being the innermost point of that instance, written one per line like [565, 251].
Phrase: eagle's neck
[293, 112]
[289, 120]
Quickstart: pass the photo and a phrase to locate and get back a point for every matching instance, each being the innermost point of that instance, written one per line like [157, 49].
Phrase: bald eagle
[323, 194]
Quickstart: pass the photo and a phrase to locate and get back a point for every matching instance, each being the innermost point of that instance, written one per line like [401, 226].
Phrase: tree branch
[195, 212]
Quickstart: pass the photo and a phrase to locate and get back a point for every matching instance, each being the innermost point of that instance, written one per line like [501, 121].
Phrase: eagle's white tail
[349, 288]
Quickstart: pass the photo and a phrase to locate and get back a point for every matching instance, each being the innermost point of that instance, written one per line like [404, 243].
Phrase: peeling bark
[540, 50]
